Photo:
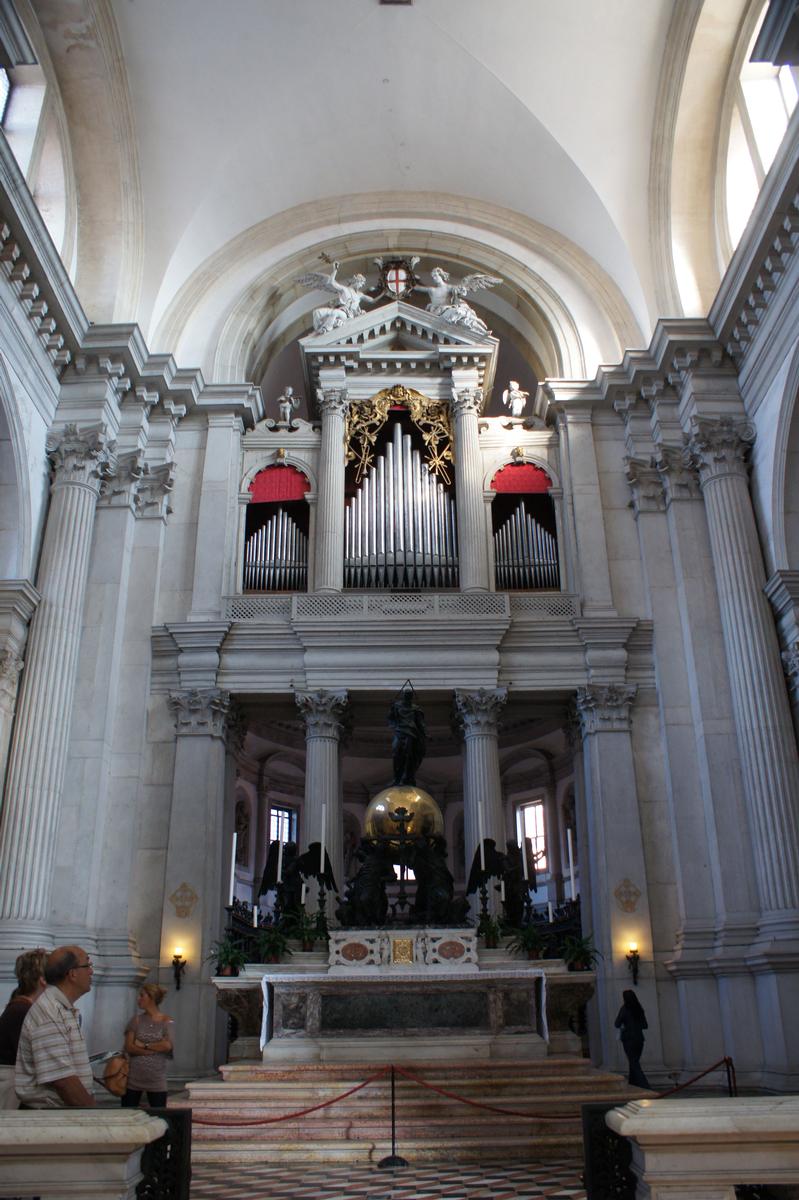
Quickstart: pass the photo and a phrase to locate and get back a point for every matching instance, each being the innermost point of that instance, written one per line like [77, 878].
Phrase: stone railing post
[81, 458]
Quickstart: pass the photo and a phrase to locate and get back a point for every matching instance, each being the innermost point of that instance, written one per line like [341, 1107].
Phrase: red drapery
[521, 477]
[278, 483]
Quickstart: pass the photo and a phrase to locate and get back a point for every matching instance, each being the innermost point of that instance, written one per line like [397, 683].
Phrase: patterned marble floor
[538, 1181]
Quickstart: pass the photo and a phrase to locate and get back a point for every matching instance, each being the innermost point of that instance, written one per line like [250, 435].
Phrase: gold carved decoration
[184, 899]
[402, 950]
[431, 418]
[627, 896]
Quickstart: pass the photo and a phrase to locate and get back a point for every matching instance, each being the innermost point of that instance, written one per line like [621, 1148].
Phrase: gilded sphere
[426, 817]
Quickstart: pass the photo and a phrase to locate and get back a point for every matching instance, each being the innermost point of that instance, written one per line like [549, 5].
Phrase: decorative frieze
[605, 708]
[200, 712]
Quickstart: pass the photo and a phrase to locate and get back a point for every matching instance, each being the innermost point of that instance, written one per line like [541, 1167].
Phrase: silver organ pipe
[400, 524]
[276, 556]
[525, 553]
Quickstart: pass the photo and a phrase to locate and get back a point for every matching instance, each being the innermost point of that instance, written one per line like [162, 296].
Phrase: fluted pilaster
[81, 458]
[323, 713]
[329, 547]
[470, 507]
[719, 449]
[478, 714]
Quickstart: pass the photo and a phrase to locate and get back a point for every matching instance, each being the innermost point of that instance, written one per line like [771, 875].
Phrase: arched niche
[276, 529]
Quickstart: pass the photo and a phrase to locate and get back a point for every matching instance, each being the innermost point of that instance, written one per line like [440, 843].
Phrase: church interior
[388, 352]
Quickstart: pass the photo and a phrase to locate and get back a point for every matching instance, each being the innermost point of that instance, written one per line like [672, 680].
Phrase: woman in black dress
[632, 1023]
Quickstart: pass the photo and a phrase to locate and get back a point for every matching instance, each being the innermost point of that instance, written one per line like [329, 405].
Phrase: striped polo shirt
[51, 1046]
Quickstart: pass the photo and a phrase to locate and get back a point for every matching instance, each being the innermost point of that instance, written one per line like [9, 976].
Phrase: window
[5, 90]
[282, 824]
[530, 823]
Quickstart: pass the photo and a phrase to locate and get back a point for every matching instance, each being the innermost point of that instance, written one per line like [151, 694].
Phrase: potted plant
[302, 926]
[272, 944]
[528, 940]
[228, 956]
[580, 953]
[489, 930]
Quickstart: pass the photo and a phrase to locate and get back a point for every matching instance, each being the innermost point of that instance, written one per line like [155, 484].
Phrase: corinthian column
[470, 506]
[719, 450]
[81, 459]
[478, 713]
[323, 714]
[329, 547]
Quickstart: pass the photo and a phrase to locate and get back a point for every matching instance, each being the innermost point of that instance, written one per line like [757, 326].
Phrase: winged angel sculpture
[447, 299]
[348, 305]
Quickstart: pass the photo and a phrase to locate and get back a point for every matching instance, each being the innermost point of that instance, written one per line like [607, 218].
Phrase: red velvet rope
[723, 1062]
[302, 1112]
[506, 1112]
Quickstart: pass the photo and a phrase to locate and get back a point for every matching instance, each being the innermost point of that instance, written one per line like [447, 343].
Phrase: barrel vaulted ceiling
[219, 147]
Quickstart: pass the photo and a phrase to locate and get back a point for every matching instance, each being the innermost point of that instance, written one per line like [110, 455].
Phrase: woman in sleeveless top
[149, 1044]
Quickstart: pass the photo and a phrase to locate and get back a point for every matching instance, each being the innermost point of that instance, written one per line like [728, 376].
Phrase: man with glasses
[52, 1068]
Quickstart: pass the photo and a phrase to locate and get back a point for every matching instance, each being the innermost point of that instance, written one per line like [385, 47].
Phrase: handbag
[115, 1074]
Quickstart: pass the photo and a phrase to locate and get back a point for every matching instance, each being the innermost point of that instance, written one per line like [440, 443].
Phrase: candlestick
[549, 910]
[480, 834]
[571, 861]
[322, 842]
[280, 861]
[232, 871]
[524, 860]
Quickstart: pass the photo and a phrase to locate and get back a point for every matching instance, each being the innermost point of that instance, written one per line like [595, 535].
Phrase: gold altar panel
[426, 816]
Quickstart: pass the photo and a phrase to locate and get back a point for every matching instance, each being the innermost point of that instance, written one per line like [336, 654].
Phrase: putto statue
[287, 404]
[350, 298]
[515, 399]
[446, 299]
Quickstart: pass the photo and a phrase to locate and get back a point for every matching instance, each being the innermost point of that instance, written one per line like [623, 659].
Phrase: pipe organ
[525, 553]
[276, 556]
[400, 529]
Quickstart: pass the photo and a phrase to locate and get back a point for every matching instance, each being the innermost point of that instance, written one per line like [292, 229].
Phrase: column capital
[81, 454]
[466, 400]
[646, 485]
[479, 711]
[720, 446]
[790, 662]
[201, 712]
[333, 400]
[604, 708]
[323, 712]
[10, 666]
[678, 474]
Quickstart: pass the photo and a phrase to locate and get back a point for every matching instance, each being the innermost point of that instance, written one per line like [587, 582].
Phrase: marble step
[546, 1068]
[288, 1096]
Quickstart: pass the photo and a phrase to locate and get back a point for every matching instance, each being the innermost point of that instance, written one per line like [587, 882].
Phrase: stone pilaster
[329, 531]
[619, 910]
[198, 860]
[478, 714]
[576, 427]
[719, 449]
[216, 518]
[82, 458]
[323, 713]
[465, 404]
[18, 600]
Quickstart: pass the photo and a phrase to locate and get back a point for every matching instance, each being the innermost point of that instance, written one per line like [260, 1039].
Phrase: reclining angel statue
[446, 299]
[350, 298]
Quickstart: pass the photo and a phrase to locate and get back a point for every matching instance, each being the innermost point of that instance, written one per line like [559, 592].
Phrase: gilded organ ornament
[431, 417]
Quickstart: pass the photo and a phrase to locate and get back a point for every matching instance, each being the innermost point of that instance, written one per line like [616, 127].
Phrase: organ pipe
[400, 527]
[276, 556]
[525, 553]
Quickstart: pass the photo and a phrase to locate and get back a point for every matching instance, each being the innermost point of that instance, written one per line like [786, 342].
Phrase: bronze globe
[426, 817]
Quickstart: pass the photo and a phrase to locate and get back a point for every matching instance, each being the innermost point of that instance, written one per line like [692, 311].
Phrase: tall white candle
[280, 861]
[549, 910]
[571, 861]
[232, 871]
[502, 890]
[302, 894]
[255, 914]
[322, 842]
[480, 834]
[524, 859]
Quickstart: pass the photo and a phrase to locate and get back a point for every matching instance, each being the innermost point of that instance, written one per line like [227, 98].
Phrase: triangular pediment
[396, 325]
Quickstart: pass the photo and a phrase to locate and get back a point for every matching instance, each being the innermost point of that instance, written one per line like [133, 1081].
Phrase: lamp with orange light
[633, 961]
[178, 965]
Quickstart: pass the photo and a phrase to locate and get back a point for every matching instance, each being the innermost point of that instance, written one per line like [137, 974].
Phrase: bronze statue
[410, 736]
[366, 902]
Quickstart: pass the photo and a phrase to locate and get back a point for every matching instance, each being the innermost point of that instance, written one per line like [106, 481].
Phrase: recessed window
[530, 823]
[282, 824]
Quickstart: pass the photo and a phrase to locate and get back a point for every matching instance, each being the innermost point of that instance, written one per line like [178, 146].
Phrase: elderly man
[52, 1068]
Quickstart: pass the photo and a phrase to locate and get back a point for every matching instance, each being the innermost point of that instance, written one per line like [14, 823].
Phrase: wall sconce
[178, 966]
[633, 962]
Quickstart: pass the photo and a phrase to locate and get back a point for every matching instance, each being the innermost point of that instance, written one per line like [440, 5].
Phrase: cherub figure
[350, 298]
[287, 404]
[446, 299]
[514, 398]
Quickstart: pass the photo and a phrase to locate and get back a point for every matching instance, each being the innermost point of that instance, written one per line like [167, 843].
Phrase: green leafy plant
[528, 940]
[272, 944]
[580, 953]
[489, 931]
[228, 956]
[302, 926]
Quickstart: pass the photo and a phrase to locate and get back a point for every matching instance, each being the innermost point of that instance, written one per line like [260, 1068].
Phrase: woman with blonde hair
[29, 970]
[149, 1045]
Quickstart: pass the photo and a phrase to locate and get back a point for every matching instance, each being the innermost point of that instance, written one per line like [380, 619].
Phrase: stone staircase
[430, 1127]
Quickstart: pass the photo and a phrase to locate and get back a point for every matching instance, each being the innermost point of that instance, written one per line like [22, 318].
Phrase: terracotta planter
[228, 970]
[308, 944]
[535, 953]
[578, 966]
